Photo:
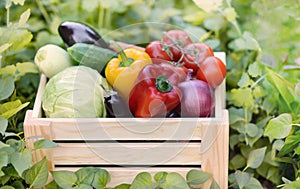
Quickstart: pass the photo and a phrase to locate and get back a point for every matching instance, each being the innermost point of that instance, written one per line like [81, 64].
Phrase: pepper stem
[163, 84]
[126, 62]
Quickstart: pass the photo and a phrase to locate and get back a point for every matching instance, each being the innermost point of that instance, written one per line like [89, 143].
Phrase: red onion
[197, 99]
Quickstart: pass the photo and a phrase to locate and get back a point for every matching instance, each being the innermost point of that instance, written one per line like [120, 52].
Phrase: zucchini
[91, 56]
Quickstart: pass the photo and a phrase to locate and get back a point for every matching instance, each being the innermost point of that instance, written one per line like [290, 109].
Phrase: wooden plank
[37, 108]
[34, 131]
[215, 152]
[127, 154]
[127, 174]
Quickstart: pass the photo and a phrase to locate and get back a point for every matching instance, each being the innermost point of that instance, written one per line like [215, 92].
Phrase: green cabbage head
[76, 92]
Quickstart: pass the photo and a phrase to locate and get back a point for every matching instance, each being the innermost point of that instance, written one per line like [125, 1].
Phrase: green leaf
[251, 130]
[9, 109]
[122, 186]
[85, 175]
[18, 184]
[230, 14]
[256, 157]
[242, 178]
[3, 159]
[7, 83]
[91, 6]
[283, 87]
[214, 185]
[19, 39]
[237, 162]
[175, 181]
[279, 127]
[64, 179]
[143, 181]
[242, 97]
[20, 2]
[83, 186]
[21, 160]
[4, 47]
[246, 42]
[101, 179]
[25, 68]
[40, 144]
[253, 184]
[52, 185]
[197, 177]
[24, 18]
[292, 185]
[208, 6]
[7, 187]
[37, 175]
[254, 70]
[3, 125]
[245, 81]
[160, 176]
[291, 142]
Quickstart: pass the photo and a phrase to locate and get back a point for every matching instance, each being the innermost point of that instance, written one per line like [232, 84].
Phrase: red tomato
[212, 70]
[174, 41]
[195, 54]
[156, 52]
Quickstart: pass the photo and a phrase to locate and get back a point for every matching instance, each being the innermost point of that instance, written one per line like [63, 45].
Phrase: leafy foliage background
[261, 39]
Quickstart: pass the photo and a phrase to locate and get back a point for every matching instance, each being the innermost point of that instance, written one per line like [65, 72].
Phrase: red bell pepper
[156, 90]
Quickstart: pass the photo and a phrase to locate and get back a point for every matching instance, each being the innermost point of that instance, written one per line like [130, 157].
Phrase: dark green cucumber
[91, 56]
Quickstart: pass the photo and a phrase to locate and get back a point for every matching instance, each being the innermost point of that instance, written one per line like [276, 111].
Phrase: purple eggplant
[76, 32]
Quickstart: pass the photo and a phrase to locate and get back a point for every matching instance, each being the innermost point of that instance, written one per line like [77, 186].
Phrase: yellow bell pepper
[121, 72]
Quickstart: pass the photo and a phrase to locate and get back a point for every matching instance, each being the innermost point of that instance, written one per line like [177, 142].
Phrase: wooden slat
[127, 174]
[215, 152]
[127, 154]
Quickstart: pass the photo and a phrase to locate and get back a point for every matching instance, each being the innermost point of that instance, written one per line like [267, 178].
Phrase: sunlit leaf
[242, 97]
[230, 14]
[279, 127]
[24, 18]
[4, 47]
[19, 39]
[9, 109]
[209, 6]
[20, 2]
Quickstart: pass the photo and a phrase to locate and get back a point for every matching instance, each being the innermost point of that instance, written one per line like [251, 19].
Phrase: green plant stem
[100, 16]
[107, 18]
[43, 11]
[7, 16]
[258, 81]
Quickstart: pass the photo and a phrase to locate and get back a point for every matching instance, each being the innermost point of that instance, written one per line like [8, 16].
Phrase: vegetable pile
[170, 77]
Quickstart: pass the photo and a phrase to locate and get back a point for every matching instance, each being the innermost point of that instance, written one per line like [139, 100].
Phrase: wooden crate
[127, 146]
